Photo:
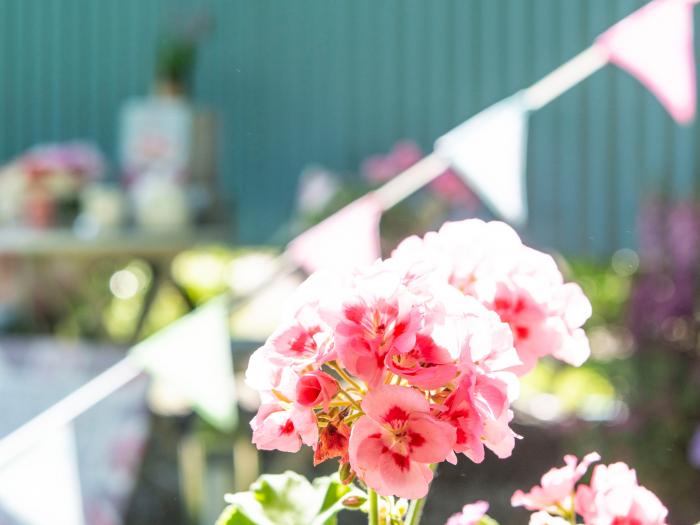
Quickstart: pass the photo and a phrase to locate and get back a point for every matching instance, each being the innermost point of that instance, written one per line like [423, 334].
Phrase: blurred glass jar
[160, 202]
[103, 207]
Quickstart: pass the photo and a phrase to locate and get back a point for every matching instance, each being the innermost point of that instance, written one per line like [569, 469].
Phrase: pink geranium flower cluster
[410, 361]
[613, 496]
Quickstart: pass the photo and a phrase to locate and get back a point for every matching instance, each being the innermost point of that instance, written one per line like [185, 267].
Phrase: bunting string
[68, 408]
[564, 78]
[410, 181]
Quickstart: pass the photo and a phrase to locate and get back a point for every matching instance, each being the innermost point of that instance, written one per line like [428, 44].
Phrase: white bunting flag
[349, 237]
[42, 485]
[193, 357]
[488, 150]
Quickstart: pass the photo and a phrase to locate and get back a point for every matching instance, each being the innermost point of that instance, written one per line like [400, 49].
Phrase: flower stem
[350, 398]
[572, 512]
[415, 511]
[345, 376]
[373, 507]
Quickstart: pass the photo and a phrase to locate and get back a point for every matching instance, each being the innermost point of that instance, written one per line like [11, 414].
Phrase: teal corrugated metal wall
[332, 81]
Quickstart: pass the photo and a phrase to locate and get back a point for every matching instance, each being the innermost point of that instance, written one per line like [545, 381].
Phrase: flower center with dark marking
[288, 428]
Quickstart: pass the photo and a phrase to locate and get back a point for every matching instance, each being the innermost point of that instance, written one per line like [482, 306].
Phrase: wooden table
[139, 242]
[156, 247]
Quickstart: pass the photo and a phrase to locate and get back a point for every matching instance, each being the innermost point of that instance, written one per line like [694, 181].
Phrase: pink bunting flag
[349, 237]
[655, 45]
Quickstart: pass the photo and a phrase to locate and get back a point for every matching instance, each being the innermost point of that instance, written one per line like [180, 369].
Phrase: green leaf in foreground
[287, 499]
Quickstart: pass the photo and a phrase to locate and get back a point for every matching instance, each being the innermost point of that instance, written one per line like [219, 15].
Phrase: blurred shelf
[149, 243]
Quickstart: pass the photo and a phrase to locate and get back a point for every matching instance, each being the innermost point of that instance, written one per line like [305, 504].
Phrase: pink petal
[403, 478]
[361, 454]
[582, 467]
[393, 401]
[431, 440]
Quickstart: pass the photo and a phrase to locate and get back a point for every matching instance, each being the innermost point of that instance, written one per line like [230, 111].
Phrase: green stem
[373, 507]
[415, 511]
[572, 515]
[350, 398]
[345, 376]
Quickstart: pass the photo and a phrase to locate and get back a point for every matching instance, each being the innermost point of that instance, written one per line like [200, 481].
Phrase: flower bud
[316, 388]
[346, 473]
[354, 502]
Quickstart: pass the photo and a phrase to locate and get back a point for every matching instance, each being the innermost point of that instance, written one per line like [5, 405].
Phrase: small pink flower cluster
[407, 362]
[471, 514]
[613, 496]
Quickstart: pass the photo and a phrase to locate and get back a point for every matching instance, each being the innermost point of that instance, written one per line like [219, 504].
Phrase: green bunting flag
[193, 356]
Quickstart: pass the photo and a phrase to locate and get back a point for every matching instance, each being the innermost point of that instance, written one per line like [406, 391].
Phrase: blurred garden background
[159, 153]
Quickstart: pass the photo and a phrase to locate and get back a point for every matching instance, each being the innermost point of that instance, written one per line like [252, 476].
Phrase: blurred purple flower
[78, 158]
[657, 298]
[664, 293]
[683, 239]
[650, 227]
[694, 449]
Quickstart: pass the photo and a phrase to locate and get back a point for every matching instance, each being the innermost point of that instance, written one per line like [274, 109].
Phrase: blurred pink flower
[405, 154]
[615, 498]
[381, 168]
[471, 514]
[557, 485]
[450, 187]
[393, 444]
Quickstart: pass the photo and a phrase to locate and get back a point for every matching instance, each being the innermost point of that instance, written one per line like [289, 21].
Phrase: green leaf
[232, 515]
[486, 520]
[287, 499]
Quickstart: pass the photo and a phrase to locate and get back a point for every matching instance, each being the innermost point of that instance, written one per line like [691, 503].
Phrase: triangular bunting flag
[42, 484]
[655, 45]
[193, 357]
[349, 237]
[488, 150]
